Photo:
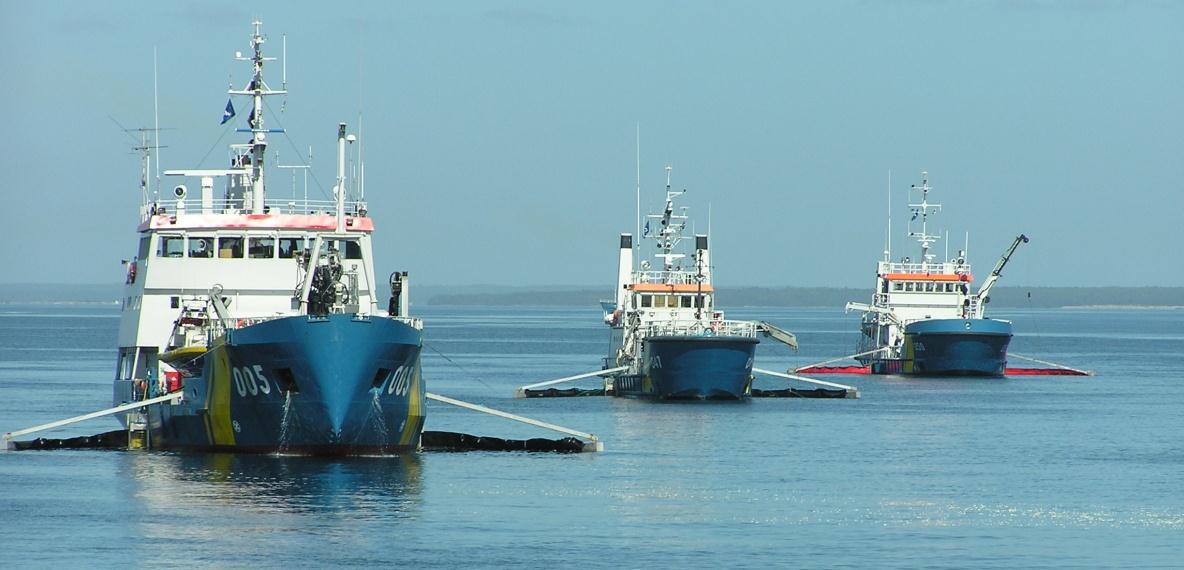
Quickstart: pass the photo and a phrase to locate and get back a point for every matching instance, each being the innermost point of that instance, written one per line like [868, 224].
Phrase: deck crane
[981, 297]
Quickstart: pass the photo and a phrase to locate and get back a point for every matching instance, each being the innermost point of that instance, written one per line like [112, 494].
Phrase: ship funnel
[624, 269]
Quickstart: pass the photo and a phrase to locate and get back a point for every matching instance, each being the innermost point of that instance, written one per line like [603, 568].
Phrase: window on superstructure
[170, 246]
[699, 301]
[291, 247]
[201, 247]
[908, 287]
[897, 286]
[230, 247]
[647, 301]
[671, 301]
[261, 248]
[145, 245]
[350, 249]
[686, 301]
[949, 287]
[929, 287]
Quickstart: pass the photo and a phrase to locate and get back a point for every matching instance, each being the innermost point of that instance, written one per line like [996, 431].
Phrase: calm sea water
[1024, 472]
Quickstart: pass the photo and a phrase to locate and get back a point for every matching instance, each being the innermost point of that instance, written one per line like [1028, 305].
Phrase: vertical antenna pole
[888, 249]
[637, 236]
[284, 74]
[156, 119]
[361, 160]
[340, 189]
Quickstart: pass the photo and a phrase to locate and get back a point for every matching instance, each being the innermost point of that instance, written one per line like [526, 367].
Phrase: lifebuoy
[131, 272]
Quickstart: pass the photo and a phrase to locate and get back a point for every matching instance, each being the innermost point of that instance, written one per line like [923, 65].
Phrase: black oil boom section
[429, 441]
[755, 393]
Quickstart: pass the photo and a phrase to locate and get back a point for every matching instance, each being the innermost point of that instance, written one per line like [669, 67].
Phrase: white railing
[238, 323]
[699, 328]
[922, 268]
[666, 277]
[193, 205]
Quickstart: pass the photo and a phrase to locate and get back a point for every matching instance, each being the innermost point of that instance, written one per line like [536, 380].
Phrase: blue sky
[500, 136]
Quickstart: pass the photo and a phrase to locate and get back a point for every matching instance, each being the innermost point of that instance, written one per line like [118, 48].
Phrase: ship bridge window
[201, 247]
[949, 287]
[908, 287]
[170, 246]
[686, 301]
[699, 301]
[230, 247]
[647, 301]
[291, 247]
[897, 286]
[145, 244]
[347, 249]
[261, 248]
[929, 287]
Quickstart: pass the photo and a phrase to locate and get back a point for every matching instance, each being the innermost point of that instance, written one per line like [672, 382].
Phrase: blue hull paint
[952, 347]
[334, 385]
[693, 368]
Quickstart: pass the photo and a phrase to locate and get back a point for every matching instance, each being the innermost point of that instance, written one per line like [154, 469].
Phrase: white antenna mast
[156, 119]
[284, 74]
[361, 160]
[922, 209]
[637, 236]
[888, 247]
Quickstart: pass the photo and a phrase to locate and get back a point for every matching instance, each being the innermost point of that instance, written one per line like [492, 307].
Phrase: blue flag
[228, 113]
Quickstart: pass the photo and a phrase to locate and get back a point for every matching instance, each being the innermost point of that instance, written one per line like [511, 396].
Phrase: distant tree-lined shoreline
[574, 296]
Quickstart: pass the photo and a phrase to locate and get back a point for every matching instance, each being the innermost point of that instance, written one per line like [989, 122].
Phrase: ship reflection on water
[225, 486]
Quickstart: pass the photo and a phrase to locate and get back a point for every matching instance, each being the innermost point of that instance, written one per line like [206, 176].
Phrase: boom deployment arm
[995, 273]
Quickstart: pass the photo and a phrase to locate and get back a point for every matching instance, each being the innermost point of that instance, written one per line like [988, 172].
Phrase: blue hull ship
[312, 385]
[668, 340]
[923, 318]
[951, 347]
[261, 316]
[693, 368]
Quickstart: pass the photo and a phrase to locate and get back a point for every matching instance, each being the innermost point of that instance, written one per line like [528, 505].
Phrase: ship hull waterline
[335, 385]
[692, 368]
[951, 347]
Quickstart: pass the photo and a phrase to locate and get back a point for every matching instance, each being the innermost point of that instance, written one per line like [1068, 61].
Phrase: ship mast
[922, 209]
[672, 225]
[257, 89]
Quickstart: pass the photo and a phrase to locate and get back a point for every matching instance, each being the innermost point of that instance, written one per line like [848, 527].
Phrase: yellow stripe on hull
[218, 421]
[414, 422]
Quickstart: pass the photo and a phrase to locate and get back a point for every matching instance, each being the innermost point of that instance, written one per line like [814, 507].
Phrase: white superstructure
[674, 299]
[911, 290]
[219, 252]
